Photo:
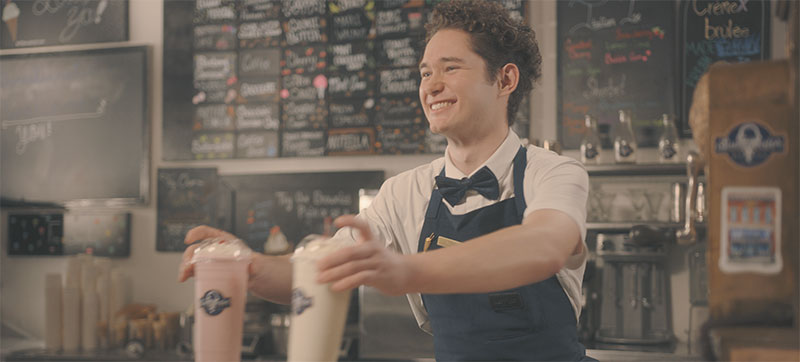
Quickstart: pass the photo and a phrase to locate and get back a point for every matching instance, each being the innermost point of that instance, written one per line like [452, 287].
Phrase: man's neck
[467, 155]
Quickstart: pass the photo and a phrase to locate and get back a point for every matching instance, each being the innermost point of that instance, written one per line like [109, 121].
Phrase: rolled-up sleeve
[559, 183]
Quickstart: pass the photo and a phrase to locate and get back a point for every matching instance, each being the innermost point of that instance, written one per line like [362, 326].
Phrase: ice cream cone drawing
[10, 17]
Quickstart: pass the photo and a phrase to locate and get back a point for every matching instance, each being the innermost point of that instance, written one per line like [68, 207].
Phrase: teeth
[440, 105]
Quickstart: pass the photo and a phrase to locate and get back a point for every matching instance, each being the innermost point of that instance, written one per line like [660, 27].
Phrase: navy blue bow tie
[483, 181]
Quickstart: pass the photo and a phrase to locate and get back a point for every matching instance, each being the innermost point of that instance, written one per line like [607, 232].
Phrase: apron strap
[520, 162]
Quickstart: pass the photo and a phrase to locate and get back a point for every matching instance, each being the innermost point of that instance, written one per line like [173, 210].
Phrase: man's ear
[508, 79]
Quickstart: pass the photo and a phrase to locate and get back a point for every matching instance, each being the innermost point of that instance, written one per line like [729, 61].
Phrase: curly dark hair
[496, 38]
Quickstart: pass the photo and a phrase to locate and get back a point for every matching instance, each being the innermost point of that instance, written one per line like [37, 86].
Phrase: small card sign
[303, 143]
[351, 141]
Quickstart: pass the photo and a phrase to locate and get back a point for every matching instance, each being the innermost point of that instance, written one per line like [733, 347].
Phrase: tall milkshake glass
[220, 269]
[318, 314]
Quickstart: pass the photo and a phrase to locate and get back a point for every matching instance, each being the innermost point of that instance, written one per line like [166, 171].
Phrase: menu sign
[303, 114]
[187, 197]
[406, 140]
[44, 23]
[351, 25]
[297, 203]
[264, 116]
[299, 8]
[351, 85]
[259, 10]
[351, 141]
[400, 52]
[303, 143]
[303, 59]
[305, 30]
[398, 81]
[257, 144]
[345, 113]
[261, 34]
[399, 22]
[398, 112]
[615, 55]
[214, 37]
[213, 117]
[259, 63]
[300, 70]
[351, 57]
[209, 146]
[719, 31]
[214, 11]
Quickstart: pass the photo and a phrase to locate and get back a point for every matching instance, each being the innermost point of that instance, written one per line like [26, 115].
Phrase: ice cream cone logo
[10, 17]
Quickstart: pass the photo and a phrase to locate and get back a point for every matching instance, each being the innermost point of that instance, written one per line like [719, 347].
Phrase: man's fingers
[204, 232]
[345, 270]
[352, 281]
[347, 254]
[352, 221]
[186, 270]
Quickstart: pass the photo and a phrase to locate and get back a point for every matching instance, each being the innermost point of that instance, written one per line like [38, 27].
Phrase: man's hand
[367, 263]
[186, 269]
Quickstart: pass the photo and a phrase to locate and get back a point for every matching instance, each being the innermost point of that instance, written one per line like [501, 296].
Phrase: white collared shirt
[551, 181]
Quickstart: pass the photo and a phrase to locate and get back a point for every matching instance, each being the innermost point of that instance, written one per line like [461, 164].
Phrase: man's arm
[270, 277]
[508, 258]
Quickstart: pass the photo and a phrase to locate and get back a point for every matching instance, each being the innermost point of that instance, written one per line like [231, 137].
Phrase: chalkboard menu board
[75, 127]
[615, 55]
[289, 78]
[298, 203]
[30, 23]
[711, 31]
[188, 197]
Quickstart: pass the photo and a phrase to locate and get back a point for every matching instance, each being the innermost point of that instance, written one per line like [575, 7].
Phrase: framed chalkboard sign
[297, 203]
[616, 54]
[30, 23]
[75, 127]
[714, 31]
[189, 197]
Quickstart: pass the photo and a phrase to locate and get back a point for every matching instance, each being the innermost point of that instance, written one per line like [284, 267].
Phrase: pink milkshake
[220, 292]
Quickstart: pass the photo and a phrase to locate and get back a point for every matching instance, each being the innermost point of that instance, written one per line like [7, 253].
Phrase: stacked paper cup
[72, 306]
[52, 312]
[90, 312]
[103, 266]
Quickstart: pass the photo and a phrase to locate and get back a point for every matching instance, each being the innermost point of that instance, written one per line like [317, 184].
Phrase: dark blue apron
[532, 322]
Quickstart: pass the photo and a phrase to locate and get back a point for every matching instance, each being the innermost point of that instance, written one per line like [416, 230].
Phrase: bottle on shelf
[625, 142]
[668, 143]
[591, 147]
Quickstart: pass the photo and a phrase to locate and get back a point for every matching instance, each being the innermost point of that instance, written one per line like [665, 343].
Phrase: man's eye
[451, 68]
[425, 74]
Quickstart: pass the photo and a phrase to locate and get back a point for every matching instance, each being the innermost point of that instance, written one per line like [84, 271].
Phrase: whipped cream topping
[316, 246]
[221, 249]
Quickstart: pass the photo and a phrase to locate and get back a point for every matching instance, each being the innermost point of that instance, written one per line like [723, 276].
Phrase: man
[490, 237]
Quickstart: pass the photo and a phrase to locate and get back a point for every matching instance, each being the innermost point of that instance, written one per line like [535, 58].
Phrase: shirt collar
[499, 162]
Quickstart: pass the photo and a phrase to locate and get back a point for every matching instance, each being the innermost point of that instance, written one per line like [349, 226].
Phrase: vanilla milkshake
[318, 314]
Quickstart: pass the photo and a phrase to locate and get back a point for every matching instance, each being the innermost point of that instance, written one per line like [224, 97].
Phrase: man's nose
[433, 85]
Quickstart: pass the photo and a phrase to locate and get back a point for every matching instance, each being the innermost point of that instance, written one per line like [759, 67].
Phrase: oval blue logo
[300, 302]
[749, 144]
[213, 302]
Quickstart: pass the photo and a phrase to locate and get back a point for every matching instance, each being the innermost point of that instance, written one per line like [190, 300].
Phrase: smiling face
[457, 96]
